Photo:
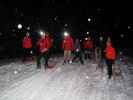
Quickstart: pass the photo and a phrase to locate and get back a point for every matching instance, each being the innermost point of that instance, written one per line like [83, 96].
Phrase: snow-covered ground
[20, 81]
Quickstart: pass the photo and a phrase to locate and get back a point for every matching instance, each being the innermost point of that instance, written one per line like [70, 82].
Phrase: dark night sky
[104, 13]
[107, 16]
[81, 9]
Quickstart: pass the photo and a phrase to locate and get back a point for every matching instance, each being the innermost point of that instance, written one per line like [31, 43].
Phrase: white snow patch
[64, 82]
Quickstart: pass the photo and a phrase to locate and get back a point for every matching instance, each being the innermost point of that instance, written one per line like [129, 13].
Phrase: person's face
[89, 38]
[108, 44]
[109, 39]
[27, 34]
[43, 36]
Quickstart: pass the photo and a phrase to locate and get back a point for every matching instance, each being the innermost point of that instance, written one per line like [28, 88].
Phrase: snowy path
[71, 82]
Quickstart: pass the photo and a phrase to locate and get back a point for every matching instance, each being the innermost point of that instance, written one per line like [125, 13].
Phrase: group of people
[100, 52]
[70, 46]
[43, 46]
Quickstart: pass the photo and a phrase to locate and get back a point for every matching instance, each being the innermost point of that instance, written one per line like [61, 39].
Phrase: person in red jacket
[110, 56]
[27, 46]
[68, 46]
[88, 47]
[43, 45]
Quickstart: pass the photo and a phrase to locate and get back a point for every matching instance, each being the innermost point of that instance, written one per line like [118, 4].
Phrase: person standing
[77, 51]
[88, 47]
[110, 56]
[27, 46]
[43, 45]
[67, 46]
[99, 53]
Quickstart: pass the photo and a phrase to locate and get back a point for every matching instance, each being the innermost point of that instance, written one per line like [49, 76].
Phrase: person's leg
[109, 66]
[28, 53]
[69, 56]
[90, 53]
[24, 55]
[49, 52]
[80, 57]
[102, 59]
[65, 56]
[31, 53]
[85, 53]
[101, 64]
[96, 54]
[39, 56]
[46, 59]
[75, 57]
[110, 69]
[107, 63]
[97, 58]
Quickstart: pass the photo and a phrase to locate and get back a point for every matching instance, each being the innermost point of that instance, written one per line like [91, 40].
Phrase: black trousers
[44, 55]
[100, 57]
[87, 53]
[79, 56]
[27, 53]
[109, 67]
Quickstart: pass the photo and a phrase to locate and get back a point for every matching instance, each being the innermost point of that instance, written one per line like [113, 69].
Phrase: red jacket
[68, 43]
[50, 41]
[87, 44]
[110, 53]
[27, 42]
[44, 44]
